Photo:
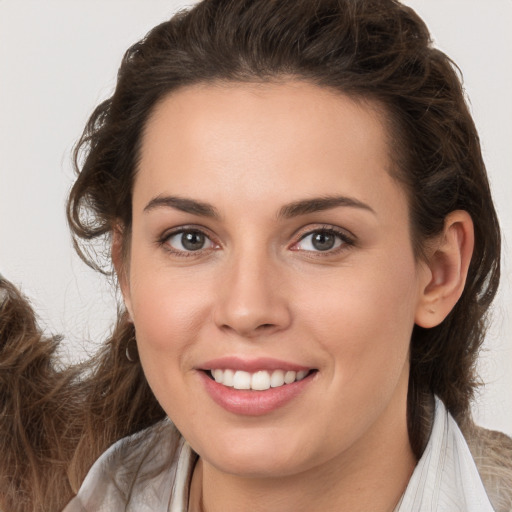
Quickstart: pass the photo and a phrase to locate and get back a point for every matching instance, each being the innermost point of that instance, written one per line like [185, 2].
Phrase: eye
[321, 240]
[188, 240]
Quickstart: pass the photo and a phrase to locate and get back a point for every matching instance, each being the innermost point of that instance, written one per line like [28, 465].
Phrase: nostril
[264, 327]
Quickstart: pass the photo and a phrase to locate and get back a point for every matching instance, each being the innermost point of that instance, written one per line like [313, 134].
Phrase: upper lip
[251, 365]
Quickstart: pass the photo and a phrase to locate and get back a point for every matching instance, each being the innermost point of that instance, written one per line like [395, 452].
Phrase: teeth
[289, 377]
[277, 378]
[301, 374]
[228, 378]
[242, 380]
[258, 381]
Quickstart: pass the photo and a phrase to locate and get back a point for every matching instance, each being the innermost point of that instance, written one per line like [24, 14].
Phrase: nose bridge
[251, 301]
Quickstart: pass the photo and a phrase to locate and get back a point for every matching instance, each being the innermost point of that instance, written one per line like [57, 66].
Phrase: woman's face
[269, 242]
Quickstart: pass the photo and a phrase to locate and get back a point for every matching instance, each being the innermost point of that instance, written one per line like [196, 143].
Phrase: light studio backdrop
[58, 59]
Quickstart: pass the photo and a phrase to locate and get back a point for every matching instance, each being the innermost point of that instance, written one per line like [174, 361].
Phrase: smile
[254, 387]
[257, 381]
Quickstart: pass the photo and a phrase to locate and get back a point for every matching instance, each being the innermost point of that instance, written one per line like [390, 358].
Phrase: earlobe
[120, 266]
[448, 262]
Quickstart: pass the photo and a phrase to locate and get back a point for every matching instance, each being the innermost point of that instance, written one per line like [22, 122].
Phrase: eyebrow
[318, 204]
[185, 205]
[295, 209]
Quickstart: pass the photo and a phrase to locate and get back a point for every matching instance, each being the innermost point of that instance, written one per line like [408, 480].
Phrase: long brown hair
[55, 422]
[374, 49]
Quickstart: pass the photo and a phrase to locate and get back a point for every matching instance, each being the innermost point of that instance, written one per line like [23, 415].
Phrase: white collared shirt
[445, 479]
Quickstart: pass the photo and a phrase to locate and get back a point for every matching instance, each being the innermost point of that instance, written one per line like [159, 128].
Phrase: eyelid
[348, 239]
[166, 235]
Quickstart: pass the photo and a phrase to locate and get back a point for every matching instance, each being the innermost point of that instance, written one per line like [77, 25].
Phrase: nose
[252, 299]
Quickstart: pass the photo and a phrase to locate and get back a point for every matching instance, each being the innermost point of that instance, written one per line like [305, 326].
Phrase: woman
[302, 229]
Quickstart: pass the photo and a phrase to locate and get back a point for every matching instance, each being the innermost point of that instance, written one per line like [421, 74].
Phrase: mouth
[254, 387]
[260, 380]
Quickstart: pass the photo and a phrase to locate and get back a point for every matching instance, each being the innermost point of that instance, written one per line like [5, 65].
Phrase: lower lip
[254, 403]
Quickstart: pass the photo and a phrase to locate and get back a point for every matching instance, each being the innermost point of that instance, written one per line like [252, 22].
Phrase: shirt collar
[446, 478]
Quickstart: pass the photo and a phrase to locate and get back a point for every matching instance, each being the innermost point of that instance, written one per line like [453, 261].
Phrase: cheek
[168, 322]
[364, 318]
[169, 314]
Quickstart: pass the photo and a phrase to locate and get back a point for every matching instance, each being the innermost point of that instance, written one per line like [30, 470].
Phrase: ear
[121, 266]
[448, 258]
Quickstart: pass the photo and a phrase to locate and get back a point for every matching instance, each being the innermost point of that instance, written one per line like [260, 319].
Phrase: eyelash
[164, 241]
[345, 241]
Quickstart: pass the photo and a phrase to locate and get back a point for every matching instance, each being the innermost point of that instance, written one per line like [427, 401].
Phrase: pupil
[192, 241]
[323, 241]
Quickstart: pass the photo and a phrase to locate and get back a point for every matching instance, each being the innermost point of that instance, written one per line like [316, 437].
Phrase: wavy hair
[377, 50]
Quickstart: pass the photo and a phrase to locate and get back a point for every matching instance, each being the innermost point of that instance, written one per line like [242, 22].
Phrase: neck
[372, 475]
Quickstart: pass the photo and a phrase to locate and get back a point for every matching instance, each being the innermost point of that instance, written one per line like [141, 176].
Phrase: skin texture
[259, 288]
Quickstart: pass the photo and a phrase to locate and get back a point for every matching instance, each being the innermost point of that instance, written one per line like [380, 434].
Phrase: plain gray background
[58, 59]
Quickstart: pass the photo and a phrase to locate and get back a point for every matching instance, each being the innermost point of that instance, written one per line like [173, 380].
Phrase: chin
[251, 455]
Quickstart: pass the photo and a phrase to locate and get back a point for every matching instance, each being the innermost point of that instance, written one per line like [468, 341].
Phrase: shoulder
[132, 474]
[492, 452]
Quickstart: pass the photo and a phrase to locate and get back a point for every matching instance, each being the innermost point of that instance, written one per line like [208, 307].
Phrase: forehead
[271, 141]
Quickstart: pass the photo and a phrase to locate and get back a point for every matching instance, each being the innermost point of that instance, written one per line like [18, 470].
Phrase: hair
[374, 50]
